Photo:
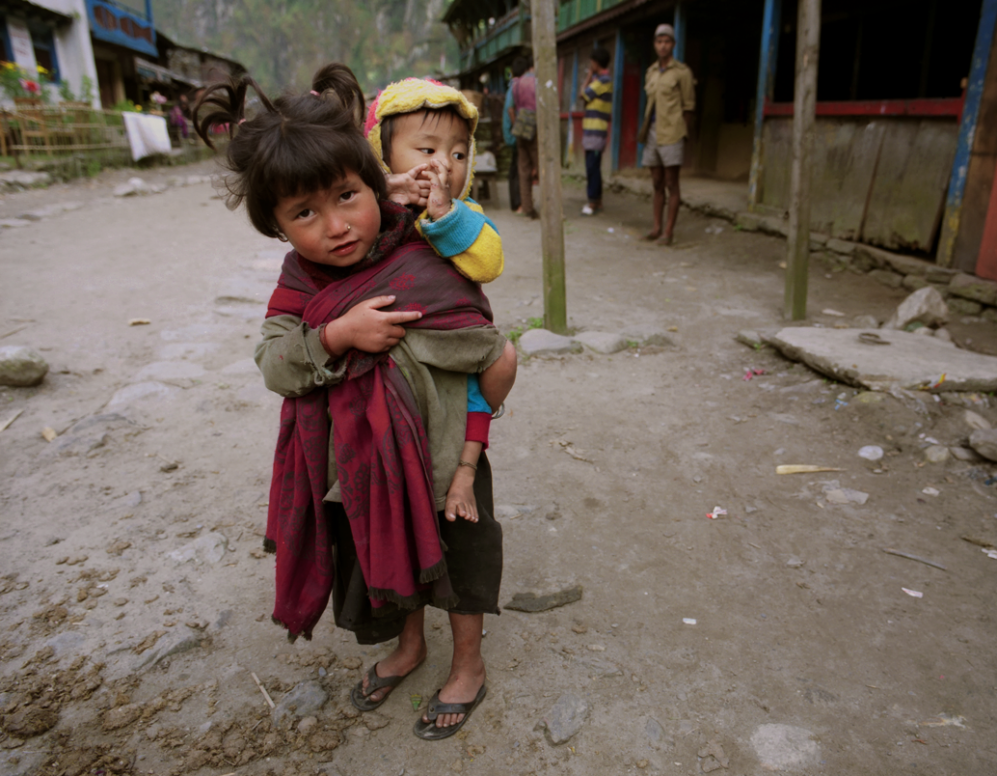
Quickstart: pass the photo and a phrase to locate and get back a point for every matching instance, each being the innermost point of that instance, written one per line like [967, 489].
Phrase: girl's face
[335, 226]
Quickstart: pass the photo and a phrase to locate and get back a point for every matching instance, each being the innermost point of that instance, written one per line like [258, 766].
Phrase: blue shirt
[510, 139]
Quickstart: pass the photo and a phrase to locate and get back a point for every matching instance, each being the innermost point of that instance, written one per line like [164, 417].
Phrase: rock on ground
[565, 718]
[21, 366]
[926, 306]
[531, 602]
[540, 342]
[984, 441]
[602, 341]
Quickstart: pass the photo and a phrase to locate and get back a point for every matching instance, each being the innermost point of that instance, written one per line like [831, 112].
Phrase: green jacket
[435, 365]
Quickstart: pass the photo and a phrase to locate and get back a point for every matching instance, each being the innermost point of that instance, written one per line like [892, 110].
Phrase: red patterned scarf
[381, 447]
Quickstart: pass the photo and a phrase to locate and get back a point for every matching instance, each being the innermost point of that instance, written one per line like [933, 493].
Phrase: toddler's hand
[409, 188]
[440, 197]
[366, 327]
[460, 497]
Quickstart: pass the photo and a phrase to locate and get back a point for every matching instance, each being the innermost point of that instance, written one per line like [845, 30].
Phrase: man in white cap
[671, 100]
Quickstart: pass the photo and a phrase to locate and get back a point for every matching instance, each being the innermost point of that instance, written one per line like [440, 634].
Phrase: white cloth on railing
[147, 135]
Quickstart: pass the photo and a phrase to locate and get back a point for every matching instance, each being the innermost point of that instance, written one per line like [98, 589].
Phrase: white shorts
[662, 155]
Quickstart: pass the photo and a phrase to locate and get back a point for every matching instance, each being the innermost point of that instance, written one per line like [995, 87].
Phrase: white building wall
[72, 47]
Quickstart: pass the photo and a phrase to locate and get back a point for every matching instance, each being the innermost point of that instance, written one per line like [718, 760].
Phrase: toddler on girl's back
[372, 437]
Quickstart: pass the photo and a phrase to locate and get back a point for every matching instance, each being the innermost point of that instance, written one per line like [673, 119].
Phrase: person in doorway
[671, 100]
[597, 94]
[524, 126]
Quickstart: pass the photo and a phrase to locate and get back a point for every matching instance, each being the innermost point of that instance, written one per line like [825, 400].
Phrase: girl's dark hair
[294, 145]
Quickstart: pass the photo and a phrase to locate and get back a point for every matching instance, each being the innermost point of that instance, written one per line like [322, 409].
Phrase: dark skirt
[473, 552]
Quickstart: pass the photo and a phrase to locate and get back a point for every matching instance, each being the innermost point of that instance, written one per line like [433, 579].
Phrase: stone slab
[540, 342]
[909, 361]
[602, 341]
[531, 602]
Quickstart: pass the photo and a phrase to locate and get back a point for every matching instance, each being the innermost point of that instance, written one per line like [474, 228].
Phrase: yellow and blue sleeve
[468, 238]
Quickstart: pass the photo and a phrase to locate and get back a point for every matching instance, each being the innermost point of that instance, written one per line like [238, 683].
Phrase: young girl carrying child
[353, 504]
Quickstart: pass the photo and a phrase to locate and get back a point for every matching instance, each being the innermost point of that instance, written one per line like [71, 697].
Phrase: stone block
[750, 338]
[841, 246]
[959, 306]
[936, 274]
[926, 306]
[540, 342]
[21, 366]
[602, 341]
[984, 442]
[887, 277]
[862, 263]
[531, 602]
[648, 334]
[974, 288]
[915, 282]
[990, 314]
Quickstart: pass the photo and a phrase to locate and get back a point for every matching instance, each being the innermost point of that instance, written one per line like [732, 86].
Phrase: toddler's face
[420, 137]
[335, 226]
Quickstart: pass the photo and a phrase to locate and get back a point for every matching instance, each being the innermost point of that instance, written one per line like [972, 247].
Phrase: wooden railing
[69, 127]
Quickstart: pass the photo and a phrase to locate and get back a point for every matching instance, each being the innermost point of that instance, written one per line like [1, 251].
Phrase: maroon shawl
[381, 447]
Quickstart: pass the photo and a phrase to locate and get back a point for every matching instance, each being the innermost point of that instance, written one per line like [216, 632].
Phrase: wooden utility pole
[549, 147]
[804, 110]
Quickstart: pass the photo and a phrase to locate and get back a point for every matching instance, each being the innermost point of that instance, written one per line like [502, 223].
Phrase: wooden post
[967, 132]
[804, 111]
[549, 147]
[766, 84]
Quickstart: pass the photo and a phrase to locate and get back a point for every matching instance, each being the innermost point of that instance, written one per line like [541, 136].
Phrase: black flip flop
[360, 699]
[428, 731]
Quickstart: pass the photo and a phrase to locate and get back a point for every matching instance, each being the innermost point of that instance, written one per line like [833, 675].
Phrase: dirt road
[135, 600]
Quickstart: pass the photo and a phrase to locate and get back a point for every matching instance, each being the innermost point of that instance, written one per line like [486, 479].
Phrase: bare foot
[462, 687]
[654, 234]
[401, 662]
[666, 240]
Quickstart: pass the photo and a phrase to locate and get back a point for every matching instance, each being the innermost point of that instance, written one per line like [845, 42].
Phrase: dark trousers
[593, 173]
[514, 198]
[528, 166]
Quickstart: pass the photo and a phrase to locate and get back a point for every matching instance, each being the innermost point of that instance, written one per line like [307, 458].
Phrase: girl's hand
[366, 327]
[440, 197]
[409, 188]
[460, 496]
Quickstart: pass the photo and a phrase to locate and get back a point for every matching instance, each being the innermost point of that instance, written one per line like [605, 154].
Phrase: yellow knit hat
[414, 94]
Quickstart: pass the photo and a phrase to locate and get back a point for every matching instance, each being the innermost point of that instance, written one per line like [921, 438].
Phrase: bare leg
[674, 199]
[658, 203]
[497, 380]
[467, 671]
[411, 651]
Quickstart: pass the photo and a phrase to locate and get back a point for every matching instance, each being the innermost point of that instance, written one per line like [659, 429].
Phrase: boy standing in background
[597, 93]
